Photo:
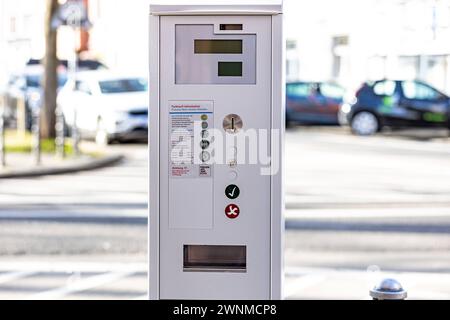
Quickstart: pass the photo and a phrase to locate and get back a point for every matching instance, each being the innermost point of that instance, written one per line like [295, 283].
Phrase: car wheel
[288, 123]
[365, 123]
[67, 129]
[101, 136]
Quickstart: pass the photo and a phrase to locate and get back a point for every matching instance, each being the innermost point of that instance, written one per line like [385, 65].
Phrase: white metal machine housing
[215, 228]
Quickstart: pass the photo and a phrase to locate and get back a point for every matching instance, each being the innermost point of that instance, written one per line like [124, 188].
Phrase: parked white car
[106, 106]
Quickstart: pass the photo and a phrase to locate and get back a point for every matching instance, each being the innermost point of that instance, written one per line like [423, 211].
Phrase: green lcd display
[218, 46]
[230, 69]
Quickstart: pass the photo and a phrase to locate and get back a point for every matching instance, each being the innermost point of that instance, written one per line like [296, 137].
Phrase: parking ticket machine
[216, 132]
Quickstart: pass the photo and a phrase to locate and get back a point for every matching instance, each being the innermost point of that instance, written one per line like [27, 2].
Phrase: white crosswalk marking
[81, 285]
[399, 212]
[73, 267]
[329, 283]
[64, 280]
[71, 280]
[12, 276]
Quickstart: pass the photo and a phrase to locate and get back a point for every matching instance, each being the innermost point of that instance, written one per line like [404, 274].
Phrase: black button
[232, 191]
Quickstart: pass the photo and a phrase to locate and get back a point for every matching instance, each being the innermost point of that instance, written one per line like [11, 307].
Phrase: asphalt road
[358, 209]
[82, 236]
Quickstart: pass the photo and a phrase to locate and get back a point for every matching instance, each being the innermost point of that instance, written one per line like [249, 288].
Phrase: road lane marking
[72, 267]
[13, 276]
[416, 283]
[381, 142]
[429, 295]
[64, 213]
[301, 271]
[366, 213]
[299, 280]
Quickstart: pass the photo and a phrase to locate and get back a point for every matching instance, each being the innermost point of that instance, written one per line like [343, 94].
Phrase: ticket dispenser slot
[215, 258]
[215, 222]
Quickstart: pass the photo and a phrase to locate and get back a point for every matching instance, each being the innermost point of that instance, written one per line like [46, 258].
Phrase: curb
[87, 166]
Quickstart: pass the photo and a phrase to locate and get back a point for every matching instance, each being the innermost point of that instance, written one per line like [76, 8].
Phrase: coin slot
[232, 123]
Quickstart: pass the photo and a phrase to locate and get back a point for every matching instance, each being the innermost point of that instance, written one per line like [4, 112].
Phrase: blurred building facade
[118, 37]
[350, 41]
[21, 33]
[347, 41]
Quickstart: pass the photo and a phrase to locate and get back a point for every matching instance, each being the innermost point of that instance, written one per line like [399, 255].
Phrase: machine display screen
[230, 69]
[218, 46]
[205, 56]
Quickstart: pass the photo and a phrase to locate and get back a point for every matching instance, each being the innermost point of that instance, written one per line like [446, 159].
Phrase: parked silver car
[106, 106]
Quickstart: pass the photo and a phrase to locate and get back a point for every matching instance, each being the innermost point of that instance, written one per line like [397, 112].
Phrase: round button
[204, 144]
[205, 134]
[205, 125]
[232, 211]
[232, 175]
[204, 117]
[232, 191]
[232, 123]
[205, 156]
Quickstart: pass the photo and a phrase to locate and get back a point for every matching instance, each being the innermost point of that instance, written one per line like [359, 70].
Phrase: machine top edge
[240, 9]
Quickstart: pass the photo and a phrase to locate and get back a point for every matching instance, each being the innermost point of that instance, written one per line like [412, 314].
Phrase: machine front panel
[215, 73]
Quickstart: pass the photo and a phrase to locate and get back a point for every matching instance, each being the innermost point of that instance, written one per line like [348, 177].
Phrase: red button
[232, 211]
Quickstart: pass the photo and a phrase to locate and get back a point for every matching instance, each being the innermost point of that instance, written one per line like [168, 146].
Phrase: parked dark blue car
[313, 102]
[395, 104]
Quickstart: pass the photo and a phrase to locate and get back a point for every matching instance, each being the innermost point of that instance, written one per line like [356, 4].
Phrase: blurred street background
[367, 148]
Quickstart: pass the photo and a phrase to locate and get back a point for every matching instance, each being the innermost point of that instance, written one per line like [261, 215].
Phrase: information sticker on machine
[185, 161]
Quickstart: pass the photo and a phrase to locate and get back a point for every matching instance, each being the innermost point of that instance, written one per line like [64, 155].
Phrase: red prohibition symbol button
[232, 211]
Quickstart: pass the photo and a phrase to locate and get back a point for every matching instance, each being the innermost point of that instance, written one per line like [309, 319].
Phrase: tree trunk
[48, 117]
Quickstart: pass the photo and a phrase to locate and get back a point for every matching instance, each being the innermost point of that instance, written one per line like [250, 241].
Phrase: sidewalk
[22, 165]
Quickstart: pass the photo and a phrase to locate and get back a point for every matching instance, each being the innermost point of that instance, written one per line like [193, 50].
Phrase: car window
[36, 81]
[33, 81]
[331, 91]
[298, 89]
[123, 86]
[62, 79]
[82, 86]
[419, 91]
[384, 88]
